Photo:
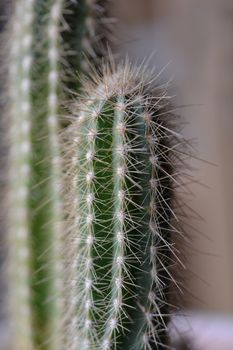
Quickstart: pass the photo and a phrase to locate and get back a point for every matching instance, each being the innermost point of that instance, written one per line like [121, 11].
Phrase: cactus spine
[119, 160]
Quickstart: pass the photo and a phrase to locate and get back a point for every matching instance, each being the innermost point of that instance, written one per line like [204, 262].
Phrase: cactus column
[121, 161]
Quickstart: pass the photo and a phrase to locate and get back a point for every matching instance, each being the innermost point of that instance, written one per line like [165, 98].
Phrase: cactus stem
[121, 154]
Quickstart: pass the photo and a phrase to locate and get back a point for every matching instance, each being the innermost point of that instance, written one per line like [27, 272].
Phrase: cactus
[91, 213]
[119, 158]
[39, 64]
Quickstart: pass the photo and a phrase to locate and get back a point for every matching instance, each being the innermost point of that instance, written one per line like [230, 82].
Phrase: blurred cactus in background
[39, 64]
[91, 213]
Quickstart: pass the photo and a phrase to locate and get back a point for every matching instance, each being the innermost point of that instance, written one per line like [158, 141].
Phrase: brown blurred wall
[201, 32]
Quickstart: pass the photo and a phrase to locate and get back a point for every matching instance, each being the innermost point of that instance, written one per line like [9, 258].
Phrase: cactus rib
[19, 172]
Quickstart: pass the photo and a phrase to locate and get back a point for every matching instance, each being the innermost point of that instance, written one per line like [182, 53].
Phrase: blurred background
[196, 38]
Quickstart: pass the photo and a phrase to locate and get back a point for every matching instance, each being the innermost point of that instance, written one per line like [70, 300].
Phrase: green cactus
[39, 77]
[119, 158]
